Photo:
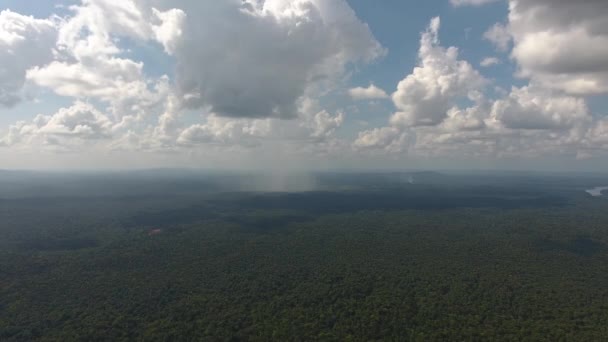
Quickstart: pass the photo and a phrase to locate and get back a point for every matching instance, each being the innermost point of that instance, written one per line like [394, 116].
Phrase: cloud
[103, 78]
[24, 42]
[459, 3]
[468, 119]
[169, 31]
[96, 24]
[370, 93]
[499, 35]
[245, 66]
[489, 61]
[255, 59]
[90, 61]
[14, 135]
[562, 44]
[248, 63]
[528, 122]
[80, 122]
[313, 127]
[530, 108]
[597, 137]
[225, 131]
[389, 139]
[424, 97]
[246, 59]
[323, 124]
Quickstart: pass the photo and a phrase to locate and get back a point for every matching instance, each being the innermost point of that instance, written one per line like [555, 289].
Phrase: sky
[304, 84]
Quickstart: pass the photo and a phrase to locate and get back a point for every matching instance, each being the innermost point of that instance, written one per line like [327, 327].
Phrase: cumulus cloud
[389, 139]
[459, 3]
[499, 35]
[24, 42]
[245, 66]
[169, 31]
[106, 79]
[314, 127]
[96, 23]
[562, 44]
[80, 120]
[489, 61]
[597, 137]
[468, 119]
[225, 131]
[79, 123]
[424, 97]
[323, 124]
[247, 62]
[370, 93]
[530, 121]
[90, 65]
[530, 108]
[257, 59]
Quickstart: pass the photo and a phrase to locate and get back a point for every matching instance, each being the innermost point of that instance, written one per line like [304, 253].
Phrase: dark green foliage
[283, 267]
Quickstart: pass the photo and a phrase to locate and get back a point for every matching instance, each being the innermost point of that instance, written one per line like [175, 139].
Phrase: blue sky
[95, 72]
[397, 25]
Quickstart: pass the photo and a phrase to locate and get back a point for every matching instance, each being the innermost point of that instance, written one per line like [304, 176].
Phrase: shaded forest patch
[582, 246]
[51, 245]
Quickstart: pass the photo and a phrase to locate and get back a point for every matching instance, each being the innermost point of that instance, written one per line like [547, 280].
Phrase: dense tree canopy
[469, 264]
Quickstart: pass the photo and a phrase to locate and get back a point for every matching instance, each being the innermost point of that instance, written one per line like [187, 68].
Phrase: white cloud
[469, 119]
[530, 108]
[24, 42]
[258, 59]
[80, 123]
[499, 35]
[90, 62]
[291, 50]
[424, 97]
[314, 127]
[597, 137]
[323, 124]
[389, 139]
[528, 122]
[80, 120]
[370, 93]
[105, 20]
[225, 131]
[245, 66]
[489, 61]
[459, 3]
[104, 78]
[562, 44]
[169, 31]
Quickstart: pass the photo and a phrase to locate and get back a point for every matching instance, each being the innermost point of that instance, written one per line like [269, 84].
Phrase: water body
[597, 191]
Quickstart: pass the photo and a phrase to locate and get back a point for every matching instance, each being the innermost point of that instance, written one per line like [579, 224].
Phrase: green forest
[443, 260]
